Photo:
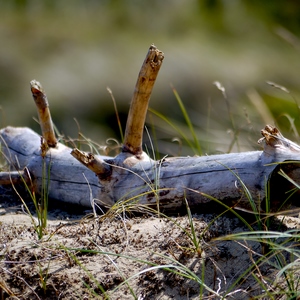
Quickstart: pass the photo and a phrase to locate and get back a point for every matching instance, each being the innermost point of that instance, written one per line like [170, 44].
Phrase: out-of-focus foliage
[284, 13]
[77, 48]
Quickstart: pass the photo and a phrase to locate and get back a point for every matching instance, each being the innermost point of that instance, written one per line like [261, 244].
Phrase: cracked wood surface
[169, 181]
[82, 178]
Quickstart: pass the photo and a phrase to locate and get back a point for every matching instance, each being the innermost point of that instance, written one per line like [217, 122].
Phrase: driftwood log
[83, 178]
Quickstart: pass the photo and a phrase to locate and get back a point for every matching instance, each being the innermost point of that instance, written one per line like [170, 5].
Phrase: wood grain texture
[44, 114]
[168, 182]
[140, 100]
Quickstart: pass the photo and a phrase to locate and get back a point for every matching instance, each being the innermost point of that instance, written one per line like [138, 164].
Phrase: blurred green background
[77, 49]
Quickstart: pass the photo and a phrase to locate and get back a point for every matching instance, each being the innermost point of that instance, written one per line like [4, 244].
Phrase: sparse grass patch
[40, 204]
[209, 257]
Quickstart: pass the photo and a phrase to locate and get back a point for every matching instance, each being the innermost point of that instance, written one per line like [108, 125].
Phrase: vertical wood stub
[43, 110]
[139, 104]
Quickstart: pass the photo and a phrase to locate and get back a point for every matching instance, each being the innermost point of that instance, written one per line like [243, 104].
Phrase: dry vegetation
[209, 255]
[132, 257]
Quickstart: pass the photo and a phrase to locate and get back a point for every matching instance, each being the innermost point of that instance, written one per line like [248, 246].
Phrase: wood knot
[270, 135]
[274, 139]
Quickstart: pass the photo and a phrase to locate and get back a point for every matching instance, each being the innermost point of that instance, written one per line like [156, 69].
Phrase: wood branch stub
[139, 104]
[133, 176]
[95, 164]
[169, 181]
[15, 177]
[41, 102]
[276, 141]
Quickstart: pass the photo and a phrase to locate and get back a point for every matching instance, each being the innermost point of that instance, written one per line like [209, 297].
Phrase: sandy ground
[121, 257]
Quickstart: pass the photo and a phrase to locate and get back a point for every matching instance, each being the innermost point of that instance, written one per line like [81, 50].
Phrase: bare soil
[92, 258]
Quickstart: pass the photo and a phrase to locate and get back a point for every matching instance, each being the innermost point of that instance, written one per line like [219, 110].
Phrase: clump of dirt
[146, 257]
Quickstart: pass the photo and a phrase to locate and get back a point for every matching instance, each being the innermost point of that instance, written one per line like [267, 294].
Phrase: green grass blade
[228, 208]
[177, 129]
[188, 122]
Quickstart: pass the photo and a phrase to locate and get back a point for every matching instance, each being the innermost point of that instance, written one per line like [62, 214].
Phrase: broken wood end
[273, 140]
[155, 55]
[94, 163]
[36, 87]
[42, 105]
[14, 178]
[140, 100]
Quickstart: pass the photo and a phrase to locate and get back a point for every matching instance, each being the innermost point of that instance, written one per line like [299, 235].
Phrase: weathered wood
[169, 181]
[139, 104]
[21, 147]
[84, 178]
[94, 163]
[42, 105]
[15, 177]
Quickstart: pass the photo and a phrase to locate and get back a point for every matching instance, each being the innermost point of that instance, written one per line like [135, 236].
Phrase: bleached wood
[94, 163]
[169, 181]
[75, 176]
[21, 147]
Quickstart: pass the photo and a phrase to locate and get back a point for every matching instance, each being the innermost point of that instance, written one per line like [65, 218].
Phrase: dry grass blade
[5, 289]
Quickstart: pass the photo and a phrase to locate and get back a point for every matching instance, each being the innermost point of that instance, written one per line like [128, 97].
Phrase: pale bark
[80, 178]
[169, 181]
